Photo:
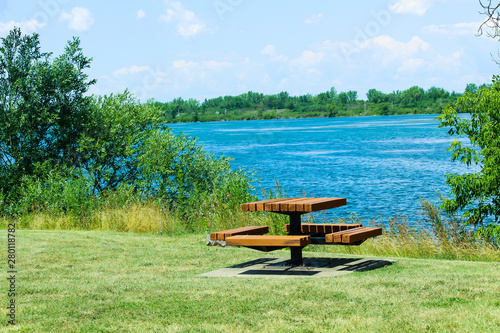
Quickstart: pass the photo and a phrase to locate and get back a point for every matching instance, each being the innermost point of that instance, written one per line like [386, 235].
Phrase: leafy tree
[383, 108]
[290, 105]
[116, 139]
[375, 96]
[62, 149]
[434, 93]
[352, 96]
[332, 109]
[343, 98]
[324, 97]
[129, 145]
[282, 99]
[303, 99]
[477, 194]
[333, 93]
[270, 101]
[43, 107]
[412, 96]
[471, 88]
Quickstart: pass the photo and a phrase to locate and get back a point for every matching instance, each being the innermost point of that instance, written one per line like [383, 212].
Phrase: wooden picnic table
[299, 235]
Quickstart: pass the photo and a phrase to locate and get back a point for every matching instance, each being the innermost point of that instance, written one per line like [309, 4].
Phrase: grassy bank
[88, 281]
[432, 238]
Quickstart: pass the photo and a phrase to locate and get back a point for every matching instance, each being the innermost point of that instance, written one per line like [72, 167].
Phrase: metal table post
[295, 229]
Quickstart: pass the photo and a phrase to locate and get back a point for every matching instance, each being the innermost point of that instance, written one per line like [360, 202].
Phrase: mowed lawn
[79, 281]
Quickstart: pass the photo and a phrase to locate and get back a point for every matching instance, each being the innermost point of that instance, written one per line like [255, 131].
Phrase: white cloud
[418, 7]
[130, 70]
[383, 47]
[453, 29]
[27, 27]
[187, 23]
[141, 14]
[308, 60]
[270, 50]
[398, 48]
[451, 63]
[316, 18]
[431, 65]
[411, 66]
[215, 65]
[213, 76]
[184, 66]
[192, 67]
[80, 19]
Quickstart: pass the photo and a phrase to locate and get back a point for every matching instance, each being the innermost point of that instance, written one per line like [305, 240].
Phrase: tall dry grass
[432, 236]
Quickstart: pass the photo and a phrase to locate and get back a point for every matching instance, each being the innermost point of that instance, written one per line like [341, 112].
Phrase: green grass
[96, 281]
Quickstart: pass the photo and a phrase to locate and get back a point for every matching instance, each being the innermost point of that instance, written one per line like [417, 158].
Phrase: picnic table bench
[299, 234]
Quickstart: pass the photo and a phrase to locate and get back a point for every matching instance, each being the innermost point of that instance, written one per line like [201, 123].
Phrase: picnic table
[299, 234]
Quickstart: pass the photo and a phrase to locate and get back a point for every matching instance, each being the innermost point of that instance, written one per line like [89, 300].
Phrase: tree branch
[493, 19]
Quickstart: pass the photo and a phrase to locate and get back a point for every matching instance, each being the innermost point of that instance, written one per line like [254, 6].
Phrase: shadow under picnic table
[312, 267]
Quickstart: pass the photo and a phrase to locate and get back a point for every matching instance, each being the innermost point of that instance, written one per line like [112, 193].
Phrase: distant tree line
[254, 105]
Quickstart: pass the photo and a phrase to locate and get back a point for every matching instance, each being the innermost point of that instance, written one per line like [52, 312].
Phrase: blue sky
[203, 49]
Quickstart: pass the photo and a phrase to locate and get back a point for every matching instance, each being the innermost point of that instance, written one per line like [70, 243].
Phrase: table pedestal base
[295, 230]
[296, 256]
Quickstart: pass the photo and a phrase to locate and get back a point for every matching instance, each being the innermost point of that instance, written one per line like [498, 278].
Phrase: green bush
[131, 158]
[68, 154]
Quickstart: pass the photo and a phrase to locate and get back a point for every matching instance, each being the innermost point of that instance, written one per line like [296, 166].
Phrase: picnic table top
[291, 205]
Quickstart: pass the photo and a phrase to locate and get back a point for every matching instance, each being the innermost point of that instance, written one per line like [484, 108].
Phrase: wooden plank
[324, 203]
[302, 205]
[265, 204]
[306, 205]
[324, 228]
[352, 235]
[297, 206]
[284, 241]
[289, 206]
[260, 205]
[247, 207]
[336, 237]
[361, 235]
[251, 230]
[313, 228]
[254, 206]
[275, 205]
[329, 228]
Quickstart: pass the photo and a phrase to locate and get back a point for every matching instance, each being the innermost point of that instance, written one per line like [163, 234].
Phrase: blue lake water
[382, 165]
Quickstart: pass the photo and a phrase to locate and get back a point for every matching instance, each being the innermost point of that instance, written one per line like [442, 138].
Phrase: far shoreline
[302, 117]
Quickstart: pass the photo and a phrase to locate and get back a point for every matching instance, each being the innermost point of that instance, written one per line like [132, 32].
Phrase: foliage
[67, 154]
[130, 158]
[177, 169]
[476, 193]
[43, 109]
[252, 105]
[117, 138]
